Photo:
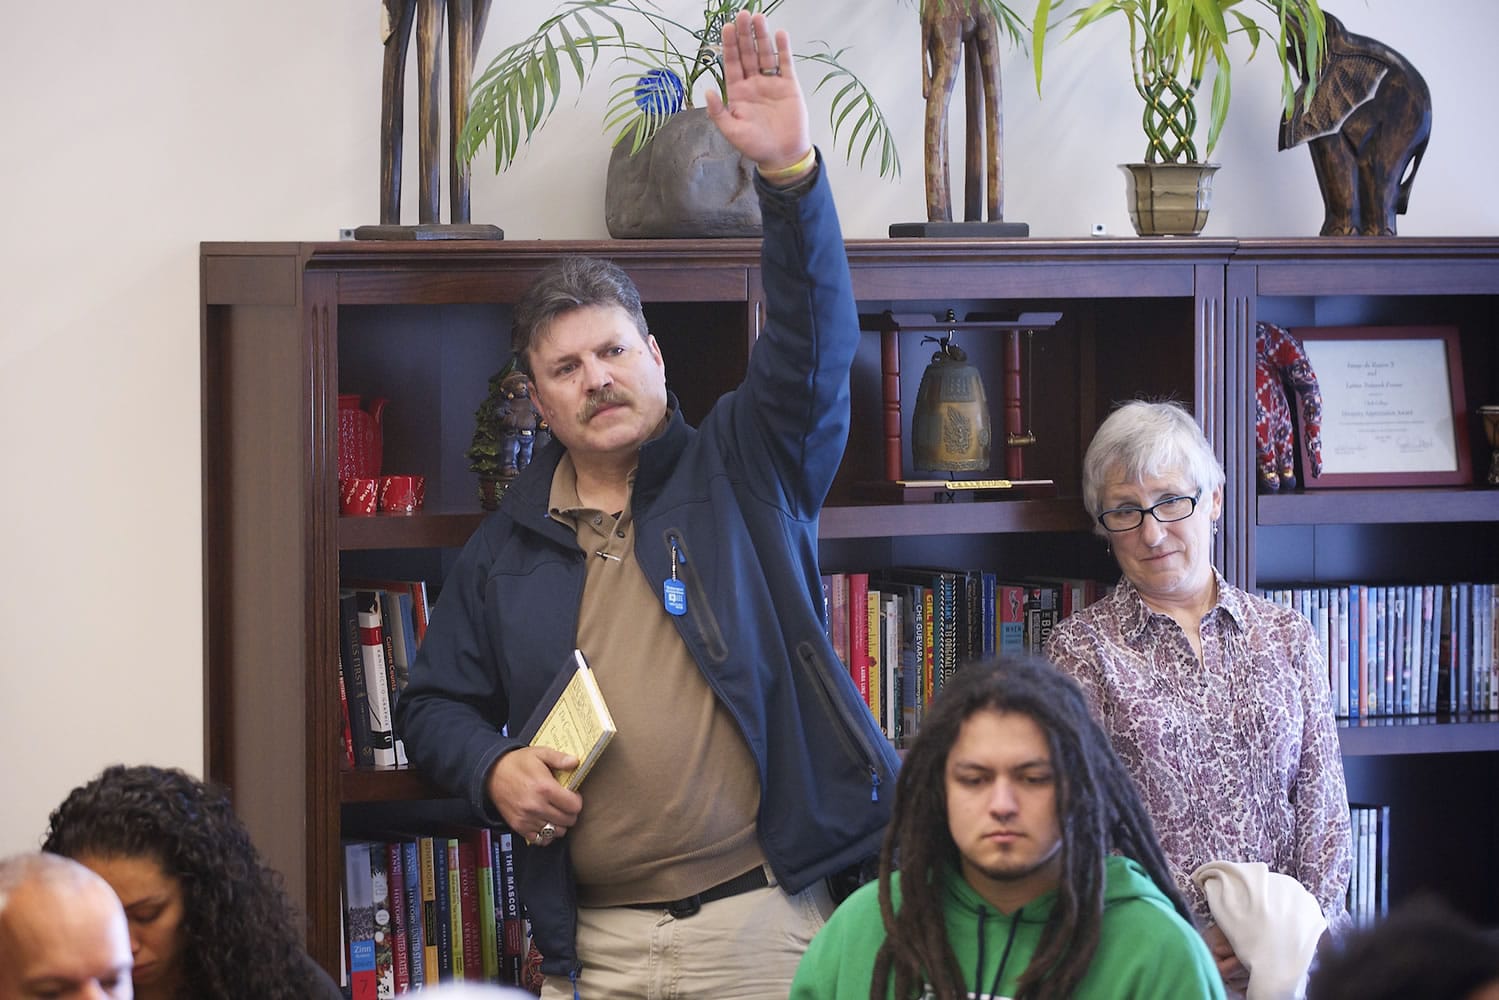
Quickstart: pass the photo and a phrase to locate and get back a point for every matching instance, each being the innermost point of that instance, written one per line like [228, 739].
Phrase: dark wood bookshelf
[286, 327]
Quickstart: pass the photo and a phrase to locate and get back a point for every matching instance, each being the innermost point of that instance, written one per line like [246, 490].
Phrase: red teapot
[359, 436]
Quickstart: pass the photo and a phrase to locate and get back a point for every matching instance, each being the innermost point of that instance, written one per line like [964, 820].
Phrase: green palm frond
[517, 92]
[854, 97]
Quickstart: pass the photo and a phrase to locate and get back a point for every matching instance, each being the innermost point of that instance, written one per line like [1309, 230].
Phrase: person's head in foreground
[1011, 784]
[62, 932]
[207, 917]
[1422, 949]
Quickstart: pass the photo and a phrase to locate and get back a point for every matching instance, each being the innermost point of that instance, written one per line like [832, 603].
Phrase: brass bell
[950, 429]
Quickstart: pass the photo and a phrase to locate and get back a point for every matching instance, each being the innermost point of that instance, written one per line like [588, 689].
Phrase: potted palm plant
[1171, 45]
[664, 63]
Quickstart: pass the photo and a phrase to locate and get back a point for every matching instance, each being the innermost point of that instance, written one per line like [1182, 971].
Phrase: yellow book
[576, 720]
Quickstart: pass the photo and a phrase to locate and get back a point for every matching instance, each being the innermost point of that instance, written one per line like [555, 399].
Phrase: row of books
[900, 632]
[1418, 649]
[1369, 879]
[420, 911]
[380, 625]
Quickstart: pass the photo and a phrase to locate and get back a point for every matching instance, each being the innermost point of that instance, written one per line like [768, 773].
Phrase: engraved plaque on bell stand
[951, 424]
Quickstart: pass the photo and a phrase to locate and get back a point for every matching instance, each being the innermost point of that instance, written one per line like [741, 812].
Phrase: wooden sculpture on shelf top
[465, 29]
[966, 34]
[1367, 127]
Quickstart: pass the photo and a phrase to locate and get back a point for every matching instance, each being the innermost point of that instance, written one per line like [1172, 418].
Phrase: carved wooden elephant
[1367, 128]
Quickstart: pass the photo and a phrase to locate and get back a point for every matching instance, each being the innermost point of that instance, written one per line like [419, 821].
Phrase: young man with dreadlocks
[996, 873]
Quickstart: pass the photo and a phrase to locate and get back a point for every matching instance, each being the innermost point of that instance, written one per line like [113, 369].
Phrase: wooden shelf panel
[960, 518]
[1380, 506]
[415, 531]
[1397, 736]
[399, 784]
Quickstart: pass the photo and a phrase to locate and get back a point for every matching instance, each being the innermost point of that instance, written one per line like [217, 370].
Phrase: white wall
[132, 137]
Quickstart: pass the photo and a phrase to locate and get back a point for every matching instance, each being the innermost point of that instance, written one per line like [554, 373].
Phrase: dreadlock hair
[1098, 809]
[240, 937]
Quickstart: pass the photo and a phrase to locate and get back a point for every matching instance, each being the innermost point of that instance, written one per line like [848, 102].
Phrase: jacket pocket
[852, 734]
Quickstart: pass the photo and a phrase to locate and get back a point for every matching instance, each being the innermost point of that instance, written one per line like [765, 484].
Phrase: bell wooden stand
[286, 327]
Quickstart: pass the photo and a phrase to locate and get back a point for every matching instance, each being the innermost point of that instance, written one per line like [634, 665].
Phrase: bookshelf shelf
[1428, 505]
[386, 785]
[407, 532]
[1383, 737]
[958, 518]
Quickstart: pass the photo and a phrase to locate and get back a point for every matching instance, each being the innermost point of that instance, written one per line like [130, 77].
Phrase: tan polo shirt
[670, 808]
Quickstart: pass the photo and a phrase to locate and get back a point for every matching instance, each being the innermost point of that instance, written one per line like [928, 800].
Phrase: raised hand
[762, 112]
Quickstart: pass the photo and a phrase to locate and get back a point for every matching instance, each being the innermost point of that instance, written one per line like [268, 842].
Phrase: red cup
[358, 497]
[402, 494]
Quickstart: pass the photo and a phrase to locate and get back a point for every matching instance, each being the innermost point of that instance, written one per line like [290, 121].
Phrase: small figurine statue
[518, 423]
[507, 430]
[1367, 129]
[1280, 360]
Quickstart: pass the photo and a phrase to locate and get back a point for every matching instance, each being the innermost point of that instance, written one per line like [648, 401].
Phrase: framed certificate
[1392, 406]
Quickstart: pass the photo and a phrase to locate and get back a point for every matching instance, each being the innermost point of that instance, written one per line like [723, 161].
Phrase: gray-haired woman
[1216, 700]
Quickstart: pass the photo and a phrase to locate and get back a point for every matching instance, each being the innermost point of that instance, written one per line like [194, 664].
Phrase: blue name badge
[674, 597]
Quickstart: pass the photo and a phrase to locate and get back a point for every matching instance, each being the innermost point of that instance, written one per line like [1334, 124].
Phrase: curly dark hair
[1098, 809]
[240, 932]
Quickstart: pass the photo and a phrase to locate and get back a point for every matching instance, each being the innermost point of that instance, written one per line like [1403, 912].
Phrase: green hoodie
[1146, 951]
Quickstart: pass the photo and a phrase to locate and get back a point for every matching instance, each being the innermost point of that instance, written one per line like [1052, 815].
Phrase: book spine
[488, 917]
[372, 647]
[838, 617]
[455, 908]
[386, 612]
[359, 920]
[432, 914]
[468, 897]
[352, 658]
[385, 952]
[858, 632]
[874, 643]
[395, 867]
[343, 708]
[444, 908]
[411, 869]
[513, 934]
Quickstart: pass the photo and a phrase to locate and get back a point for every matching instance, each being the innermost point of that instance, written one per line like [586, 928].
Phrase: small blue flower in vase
[659, 92]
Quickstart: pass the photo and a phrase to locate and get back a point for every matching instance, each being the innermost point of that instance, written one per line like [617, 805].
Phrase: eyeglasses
[1168, 510]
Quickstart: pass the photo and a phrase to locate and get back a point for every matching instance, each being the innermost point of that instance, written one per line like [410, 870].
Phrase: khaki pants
[745, 947]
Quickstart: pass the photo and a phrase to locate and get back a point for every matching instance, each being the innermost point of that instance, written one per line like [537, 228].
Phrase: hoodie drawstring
[1004, 959]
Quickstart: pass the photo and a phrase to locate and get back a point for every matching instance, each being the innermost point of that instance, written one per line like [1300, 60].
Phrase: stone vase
[686, 182]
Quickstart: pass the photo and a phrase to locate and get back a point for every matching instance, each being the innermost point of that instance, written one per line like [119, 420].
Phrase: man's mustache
[601, 399]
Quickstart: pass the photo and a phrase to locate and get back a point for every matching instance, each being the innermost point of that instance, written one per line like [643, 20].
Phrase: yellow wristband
[783, 174]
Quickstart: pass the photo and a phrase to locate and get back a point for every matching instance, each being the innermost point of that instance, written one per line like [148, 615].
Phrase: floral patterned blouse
[1237, 756]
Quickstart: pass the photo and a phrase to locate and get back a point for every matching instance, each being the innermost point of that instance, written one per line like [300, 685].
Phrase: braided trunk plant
[1171, 45]
[664, 61]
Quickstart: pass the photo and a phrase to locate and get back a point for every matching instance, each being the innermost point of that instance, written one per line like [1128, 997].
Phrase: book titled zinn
[573, 718]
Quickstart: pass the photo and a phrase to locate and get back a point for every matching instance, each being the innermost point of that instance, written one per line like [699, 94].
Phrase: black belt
[688, 905]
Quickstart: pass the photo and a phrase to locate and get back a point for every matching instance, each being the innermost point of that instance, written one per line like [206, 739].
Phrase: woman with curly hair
[207, 917]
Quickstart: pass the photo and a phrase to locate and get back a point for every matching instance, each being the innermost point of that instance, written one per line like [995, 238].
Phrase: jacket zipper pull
[673, 593]
[874, 785]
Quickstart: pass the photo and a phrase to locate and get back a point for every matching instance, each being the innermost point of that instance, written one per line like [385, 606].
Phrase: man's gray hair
[1145, 438]
[572, 282]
